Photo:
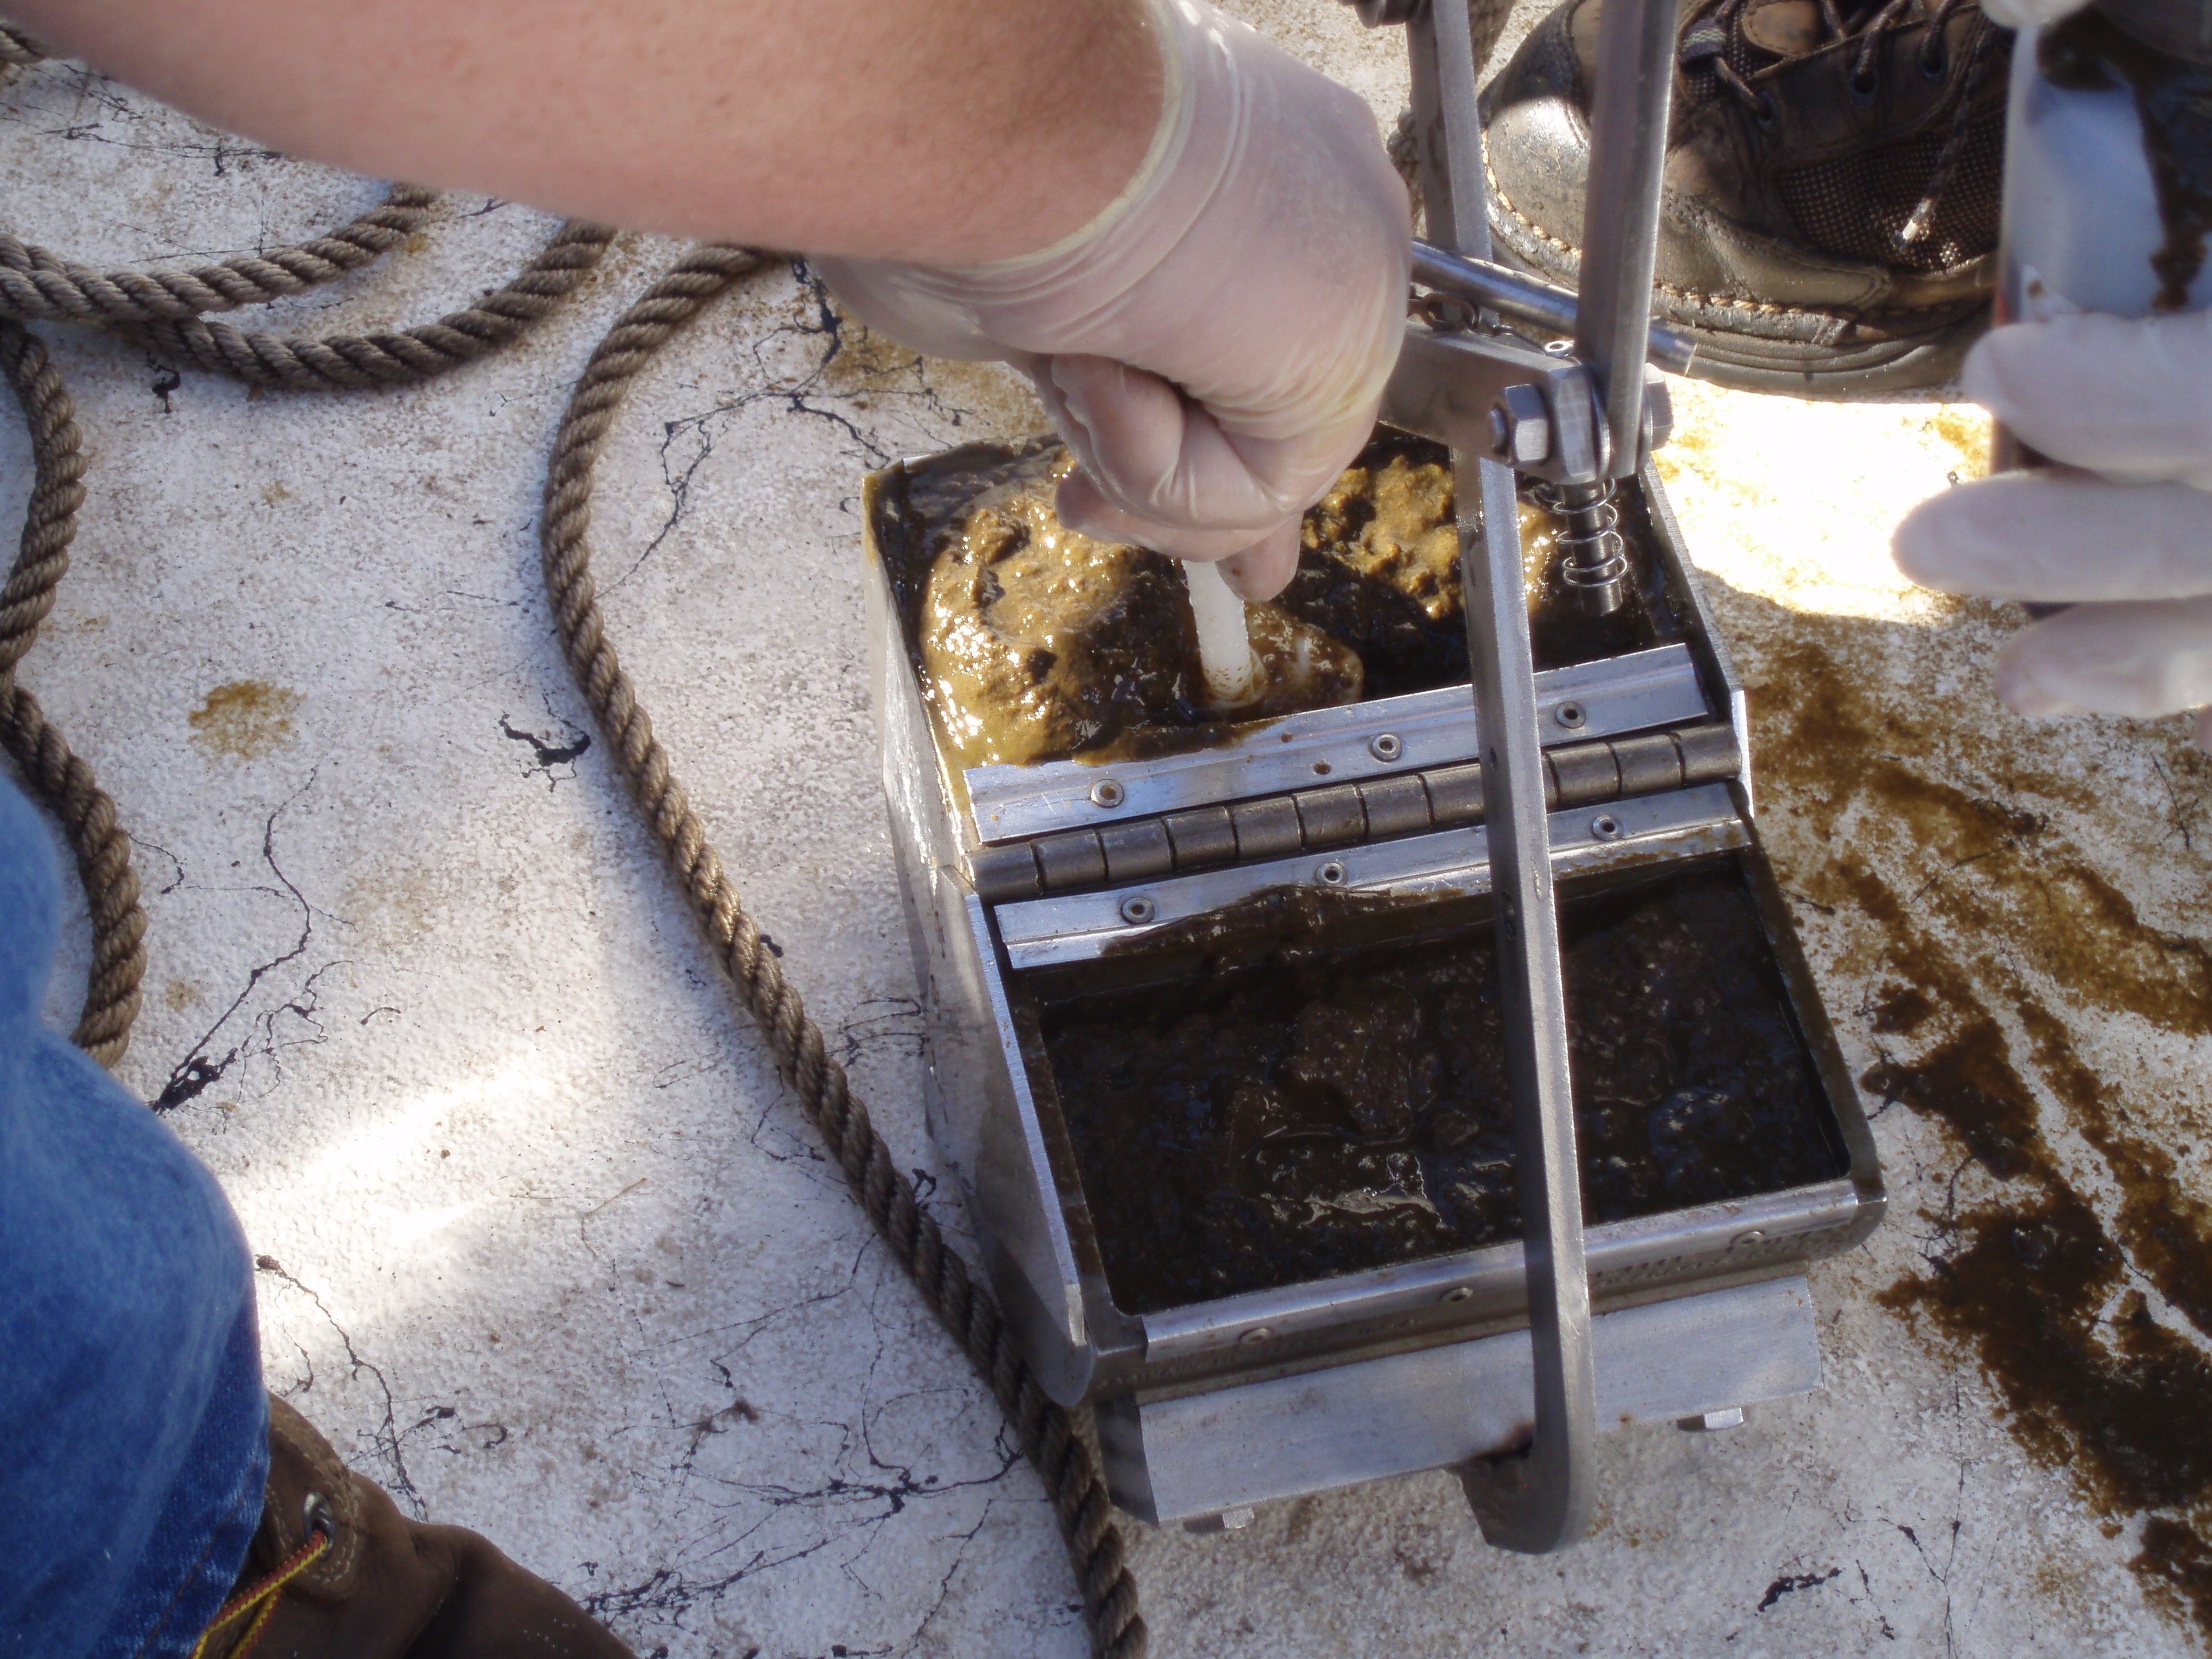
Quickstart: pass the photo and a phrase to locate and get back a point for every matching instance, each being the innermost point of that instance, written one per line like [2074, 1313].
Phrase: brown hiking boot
[1830, 220]
[336, 1572]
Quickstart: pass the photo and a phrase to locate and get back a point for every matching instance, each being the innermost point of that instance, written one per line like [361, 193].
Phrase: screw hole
[1458, 1293]
[1137, 911]
[1107, 793]
[1320, 768]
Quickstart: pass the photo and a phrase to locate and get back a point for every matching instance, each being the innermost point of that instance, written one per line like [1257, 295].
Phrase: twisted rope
[39, 286]
[19, 49]
[961, 1303]
[400, 357]
[59, 778]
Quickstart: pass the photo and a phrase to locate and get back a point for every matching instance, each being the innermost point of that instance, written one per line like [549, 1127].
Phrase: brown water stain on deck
[244, 719]
[1965, 875]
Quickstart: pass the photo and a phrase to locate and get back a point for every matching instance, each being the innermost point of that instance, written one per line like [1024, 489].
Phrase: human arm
[1195, 245]
[954, 130]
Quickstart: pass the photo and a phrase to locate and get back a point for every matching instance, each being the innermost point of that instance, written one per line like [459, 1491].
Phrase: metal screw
[1137, 911]
[1233, 1520]
[1385, 746]
[1707, 1422]
[1107, 793]
[1606, 827]
[1257, 1334]
[1570, 715]
[1330, 874]
[1459, 1293]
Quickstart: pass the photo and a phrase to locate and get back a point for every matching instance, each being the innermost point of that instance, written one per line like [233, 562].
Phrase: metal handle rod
[1542, 1501]
[1494, 287]
[1620, 213]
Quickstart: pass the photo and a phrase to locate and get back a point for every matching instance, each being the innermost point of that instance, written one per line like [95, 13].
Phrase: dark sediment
[1035, 643]
[1322, 1113]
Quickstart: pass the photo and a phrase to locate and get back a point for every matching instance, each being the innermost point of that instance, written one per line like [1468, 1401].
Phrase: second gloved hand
[2121, 532]
[1213, 346]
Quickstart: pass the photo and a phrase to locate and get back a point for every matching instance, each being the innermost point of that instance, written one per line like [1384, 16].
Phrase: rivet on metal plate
[1257, 1334]
[1606, 827]
[1570, 715]
[1330, 874]
[1459, 1293]
[1385, 746]
[1107, 793]
[1137, 911]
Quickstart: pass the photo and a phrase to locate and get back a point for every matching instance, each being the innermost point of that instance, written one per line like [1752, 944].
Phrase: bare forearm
[949, 132]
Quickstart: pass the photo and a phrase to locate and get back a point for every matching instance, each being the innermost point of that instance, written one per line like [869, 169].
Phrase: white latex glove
[2124, 533]
[2029, 14]
[1213, 346]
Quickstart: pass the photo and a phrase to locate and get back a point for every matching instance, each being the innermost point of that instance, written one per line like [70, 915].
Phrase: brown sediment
[1330, 1110]
[1035, 643]
[1992, 945]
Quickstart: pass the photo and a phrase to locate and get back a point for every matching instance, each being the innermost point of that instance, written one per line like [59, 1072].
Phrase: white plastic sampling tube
[1224, 649]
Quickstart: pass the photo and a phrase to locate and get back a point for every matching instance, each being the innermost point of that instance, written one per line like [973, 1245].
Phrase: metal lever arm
[1540, 1501]
[1620, 213]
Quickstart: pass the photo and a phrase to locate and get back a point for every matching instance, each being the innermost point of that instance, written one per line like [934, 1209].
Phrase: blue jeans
[134, 1439]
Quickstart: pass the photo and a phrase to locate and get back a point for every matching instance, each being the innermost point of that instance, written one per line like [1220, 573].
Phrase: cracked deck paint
[543, 1246]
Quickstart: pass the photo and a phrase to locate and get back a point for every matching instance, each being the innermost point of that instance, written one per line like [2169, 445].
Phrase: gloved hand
[1213, 346]
[2123, 533]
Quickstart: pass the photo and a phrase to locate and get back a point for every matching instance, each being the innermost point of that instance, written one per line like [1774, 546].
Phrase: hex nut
[1521, 426]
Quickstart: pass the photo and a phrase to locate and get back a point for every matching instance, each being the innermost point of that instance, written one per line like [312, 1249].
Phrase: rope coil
[62, 780]
[962, 1304]
[168, 311]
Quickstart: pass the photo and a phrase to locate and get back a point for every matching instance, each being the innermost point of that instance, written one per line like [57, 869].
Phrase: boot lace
[1704, 46]
[259, 1602]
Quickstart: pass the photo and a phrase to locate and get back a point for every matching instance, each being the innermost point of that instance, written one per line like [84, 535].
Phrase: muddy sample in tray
[1036, 643]
[1269, 1125]
[1378, 568]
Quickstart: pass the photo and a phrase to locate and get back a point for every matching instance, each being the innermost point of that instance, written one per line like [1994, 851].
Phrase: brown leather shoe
[360, 1581]
[1832, 173]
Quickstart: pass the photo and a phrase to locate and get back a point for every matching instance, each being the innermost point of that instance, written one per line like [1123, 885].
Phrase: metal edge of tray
[1702, 631]
[1346, 743]
[1190, 1453]
[1081, 927]
[1483, 1283]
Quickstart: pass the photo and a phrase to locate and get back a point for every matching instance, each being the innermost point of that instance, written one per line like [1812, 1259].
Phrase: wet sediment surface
[1035, 643]
[2068, 1257]
[1319, 1115]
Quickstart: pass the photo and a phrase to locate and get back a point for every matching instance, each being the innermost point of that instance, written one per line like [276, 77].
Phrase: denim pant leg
[133, 1428]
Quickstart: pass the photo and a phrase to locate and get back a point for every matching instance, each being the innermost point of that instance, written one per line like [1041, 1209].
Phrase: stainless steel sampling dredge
[1503, 1362]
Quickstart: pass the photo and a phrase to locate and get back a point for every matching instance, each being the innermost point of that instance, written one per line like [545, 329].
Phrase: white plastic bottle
[2108, 163]
[2108, 170]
